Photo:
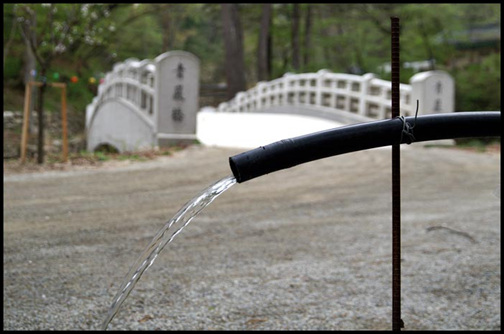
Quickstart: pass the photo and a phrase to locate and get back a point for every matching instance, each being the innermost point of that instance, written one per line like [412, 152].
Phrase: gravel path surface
[304, 248]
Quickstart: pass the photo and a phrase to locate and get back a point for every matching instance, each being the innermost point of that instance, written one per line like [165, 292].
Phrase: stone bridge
[147, 103]
[154, 103]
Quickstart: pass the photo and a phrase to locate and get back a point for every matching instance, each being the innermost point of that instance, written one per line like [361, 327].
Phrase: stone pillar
[177, 93]
[435, 91]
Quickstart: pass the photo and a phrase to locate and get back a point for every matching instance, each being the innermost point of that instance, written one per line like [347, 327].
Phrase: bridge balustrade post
[267, 94]
[296, 85]
[241, 102]
[364, 93]
[321, 74]
[258, 96]
[348, 98]
[261, 95]
[139, 92]
[286, 83]
[109, 78]
[124, 87]
[386, 107]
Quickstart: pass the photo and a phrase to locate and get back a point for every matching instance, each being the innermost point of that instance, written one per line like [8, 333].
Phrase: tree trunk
[427, 45]
[263, 49]
[234, 63]
[307, 35]
[295, 37]
[270, 54]
[29, 66]
[167, 26]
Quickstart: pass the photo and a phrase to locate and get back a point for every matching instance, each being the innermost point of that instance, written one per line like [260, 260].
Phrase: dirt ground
[304, 248]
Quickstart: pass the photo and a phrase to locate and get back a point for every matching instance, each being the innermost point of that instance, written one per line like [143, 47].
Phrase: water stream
[182, 218]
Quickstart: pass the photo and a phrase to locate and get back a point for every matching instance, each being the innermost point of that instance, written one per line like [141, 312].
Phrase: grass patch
[53, 161]
[478, 144]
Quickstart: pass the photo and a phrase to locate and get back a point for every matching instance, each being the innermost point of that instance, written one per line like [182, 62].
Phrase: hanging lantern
[102, 80]
[55, 75]
[92, 80]
[74, 79]
[33, 73]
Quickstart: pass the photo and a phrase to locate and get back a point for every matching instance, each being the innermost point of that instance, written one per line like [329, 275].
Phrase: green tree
[338, 37]
[264, 45]
[296, 52]
[233, 44]
[52, 30]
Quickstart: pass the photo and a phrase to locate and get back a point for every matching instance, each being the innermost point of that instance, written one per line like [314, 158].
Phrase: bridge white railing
[364, 95]
[131, 81]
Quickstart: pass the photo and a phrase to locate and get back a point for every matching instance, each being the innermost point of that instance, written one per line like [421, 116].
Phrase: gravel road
[304, 248]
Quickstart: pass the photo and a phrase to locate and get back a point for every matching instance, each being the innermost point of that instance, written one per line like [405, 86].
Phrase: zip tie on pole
[408, 128]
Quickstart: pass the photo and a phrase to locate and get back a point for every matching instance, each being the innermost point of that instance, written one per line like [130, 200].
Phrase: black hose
[294, 151]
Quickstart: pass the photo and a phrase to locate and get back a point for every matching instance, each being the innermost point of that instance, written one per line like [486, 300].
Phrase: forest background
[241, 44]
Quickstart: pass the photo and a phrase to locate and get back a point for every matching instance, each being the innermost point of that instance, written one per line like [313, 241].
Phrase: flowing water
[182, 218]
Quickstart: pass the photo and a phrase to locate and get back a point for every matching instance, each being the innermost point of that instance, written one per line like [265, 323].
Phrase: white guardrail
[365, 95]
[132, 81]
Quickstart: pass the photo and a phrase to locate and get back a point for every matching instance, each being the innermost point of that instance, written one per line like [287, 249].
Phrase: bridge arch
[106, 147]
[118, 123]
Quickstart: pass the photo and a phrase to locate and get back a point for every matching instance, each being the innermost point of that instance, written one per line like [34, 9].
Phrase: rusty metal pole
[397, 323]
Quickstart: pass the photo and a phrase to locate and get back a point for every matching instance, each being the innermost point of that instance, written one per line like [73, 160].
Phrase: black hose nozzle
[294, 151]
